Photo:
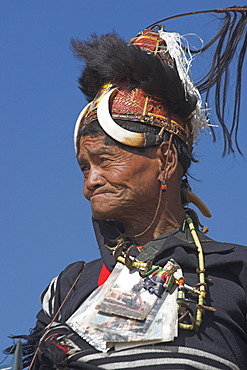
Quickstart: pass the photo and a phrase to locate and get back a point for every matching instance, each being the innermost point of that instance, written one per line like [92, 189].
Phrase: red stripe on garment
[104, 274]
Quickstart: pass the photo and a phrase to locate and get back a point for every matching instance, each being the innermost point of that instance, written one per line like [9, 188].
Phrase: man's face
[118, 182]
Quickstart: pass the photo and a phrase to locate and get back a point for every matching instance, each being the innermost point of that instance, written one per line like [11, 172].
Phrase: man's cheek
[86, 193]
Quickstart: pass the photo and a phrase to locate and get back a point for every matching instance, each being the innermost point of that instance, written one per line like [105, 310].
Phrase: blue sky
[45, 222]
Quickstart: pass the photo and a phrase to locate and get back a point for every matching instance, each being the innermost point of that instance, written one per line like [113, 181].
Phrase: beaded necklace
[122, 255]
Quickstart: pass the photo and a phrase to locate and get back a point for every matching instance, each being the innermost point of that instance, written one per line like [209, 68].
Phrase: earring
[163, 186]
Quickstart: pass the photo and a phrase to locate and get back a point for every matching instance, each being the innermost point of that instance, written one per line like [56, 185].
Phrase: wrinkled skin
[116, 181]
[124, 184]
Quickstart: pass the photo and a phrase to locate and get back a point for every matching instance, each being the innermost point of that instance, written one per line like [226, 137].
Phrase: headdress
[148, 80]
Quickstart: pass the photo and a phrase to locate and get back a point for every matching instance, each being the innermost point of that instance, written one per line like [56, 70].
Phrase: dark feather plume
[231, 44]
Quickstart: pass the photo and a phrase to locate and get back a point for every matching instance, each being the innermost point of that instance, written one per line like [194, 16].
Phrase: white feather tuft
[174, 46]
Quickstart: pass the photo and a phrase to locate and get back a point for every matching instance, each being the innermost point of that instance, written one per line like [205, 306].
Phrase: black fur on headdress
[110, 59]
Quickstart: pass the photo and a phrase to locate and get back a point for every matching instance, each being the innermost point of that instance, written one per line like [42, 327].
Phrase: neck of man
[144, 227]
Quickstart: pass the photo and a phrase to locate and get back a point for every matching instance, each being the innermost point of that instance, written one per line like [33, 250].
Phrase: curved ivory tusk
[112, 128]
[199, 204]
[79, 123]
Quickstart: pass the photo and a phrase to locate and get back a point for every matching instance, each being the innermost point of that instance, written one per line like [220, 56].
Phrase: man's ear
[168, 157]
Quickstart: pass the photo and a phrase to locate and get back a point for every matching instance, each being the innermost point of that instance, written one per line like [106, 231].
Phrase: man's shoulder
[226, 257]
[75, 267]
[76, 281]
[79, 270]
[211, 245]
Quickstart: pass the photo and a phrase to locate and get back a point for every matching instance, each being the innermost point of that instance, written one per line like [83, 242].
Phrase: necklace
[147, 269]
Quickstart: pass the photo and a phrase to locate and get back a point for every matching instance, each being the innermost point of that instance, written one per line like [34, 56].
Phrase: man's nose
[94, 178]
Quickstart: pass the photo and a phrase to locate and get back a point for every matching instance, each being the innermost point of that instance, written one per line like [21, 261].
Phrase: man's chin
[102, 215]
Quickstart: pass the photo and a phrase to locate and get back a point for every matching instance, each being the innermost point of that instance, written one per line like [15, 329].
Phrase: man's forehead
[95, 140]
[95, 145]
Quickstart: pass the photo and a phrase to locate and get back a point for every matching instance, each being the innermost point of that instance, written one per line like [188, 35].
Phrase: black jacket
[221, 341]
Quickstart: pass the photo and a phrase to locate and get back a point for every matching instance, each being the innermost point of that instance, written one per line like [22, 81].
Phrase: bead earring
[163, 186]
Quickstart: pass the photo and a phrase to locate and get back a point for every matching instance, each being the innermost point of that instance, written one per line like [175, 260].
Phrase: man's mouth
[95, 193]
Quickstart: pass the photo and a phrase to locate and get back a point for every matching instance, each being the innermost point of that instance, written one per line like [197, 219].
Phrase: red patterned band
[136, 105]
[151, 41]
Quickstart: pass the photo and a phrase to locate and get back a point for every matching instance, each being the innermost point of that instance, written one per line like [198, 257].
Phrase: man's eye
[84, 169]
[103, 159]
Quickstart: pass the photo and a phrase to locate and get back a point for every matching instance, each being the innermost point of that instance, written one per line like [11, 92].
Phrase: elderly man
[134, 144]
